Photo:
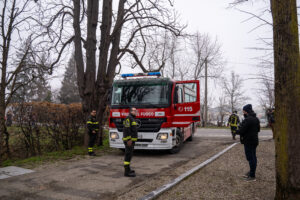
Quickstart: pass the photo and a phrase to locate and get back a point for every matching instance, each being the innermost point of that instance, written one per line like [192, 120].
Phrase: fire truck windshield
[141, 94]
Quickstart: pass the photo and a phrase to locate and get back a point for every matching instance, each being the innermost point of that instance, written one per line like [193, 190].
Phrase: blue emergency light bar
[141, 74]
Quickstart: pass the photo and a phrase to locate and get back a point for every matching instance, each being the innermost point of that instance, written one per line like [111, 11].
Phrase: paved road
[225, 133]
[102, 177]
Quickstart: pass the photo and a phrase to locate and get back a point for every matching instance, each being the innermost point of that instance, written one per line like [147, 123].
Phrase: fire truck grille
[147, 124]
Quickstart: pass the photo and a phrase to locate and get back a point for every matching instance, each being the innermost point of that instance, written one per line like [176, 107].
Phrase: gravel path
[150, 183]
[222, 178]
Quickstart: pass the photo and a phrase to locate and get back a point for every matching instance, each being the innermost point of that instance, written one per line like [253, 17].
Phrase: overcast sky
[234, 33]
[227, 24]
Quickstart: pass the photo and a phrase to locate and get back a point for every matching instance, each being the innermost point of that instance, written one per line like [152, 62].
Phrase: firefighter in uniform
[233, 122]
[129, 139]
[93, 128]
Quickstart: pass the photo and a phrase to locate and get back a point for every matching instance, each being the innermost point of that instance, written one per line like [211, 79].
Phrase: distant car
[263, 123]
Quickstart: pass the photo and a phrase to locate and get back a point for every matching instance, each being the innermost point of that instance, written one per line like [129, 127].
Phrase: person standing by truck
[93, 128]
[129, 139]
[233, 122]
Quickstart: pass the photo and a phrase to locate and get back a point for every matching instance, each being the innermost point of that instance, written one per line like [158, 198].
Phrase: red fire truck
[167, 110]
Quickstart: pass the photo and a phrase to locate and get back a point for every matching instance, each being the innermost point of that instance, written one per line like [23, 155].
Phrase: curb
[180, 178]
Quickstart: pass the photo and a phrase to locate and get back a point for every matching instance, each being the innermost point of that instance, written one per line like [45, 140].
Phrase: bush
[46, 127]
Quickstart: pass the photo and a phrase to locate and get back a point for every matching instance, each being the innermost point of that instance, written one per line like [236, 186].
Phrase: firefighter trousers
[128, 153]
[92, 141]
[233, 131]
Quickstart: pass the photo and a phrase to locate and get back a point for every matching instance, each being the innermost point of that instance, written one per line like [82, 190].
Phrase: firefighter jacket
[129, 128]
[92, 124]
[234, 120]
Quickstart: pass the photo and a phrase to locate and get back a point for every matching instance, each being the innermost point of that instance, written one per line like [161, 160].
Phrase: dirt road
[102, 177]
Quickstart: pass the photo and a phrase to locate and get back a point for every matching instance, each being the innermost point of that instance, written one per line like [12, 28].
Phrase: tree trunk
[4, 136]
[287, 98]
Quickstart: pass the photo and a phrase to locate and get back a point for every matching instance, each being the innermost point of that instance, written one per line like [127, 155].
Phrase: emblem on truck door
[180, 109]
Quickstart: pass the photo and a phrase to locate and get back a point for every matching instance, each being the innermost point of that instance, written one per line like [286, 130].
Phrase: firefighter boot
[92, 153]
[131, 171]
[128, 173]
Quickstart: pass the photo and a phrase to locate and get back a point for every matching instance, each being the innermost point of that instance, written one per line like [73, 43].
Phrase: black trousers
[233, 131]
[250, 152]
[128, 153]
[92, 141]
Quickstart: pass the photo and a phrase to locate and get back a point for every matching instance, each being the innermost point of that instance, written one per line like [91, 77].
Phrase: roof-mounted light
[141, 74]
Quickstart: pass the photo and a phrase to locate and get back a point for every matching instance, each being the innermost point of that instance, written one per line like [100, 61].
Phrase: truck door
[186, 103]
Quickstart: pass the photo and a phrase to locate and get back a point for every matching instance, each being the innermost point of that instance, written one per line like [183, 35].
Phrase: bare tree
[287, 98]
[222, 109]
[205, 50]
[233, 89]
[126, 28]
[15, 25]
[285, 43]
[207, 61]
[266, 93]
[173, 64]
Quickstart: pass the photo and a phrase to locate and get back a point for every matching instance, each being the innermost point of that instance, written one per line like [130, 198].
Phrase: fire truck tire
[179, 143]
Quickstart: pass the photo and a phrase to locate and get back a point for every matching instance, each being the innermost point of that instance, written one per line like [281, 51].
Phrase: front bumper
[146, 140]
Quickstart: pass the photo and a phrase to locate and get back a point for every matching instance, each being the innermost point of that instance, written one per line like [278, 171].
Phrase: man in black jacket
[248, 132]
[93, 128]
[129, 139]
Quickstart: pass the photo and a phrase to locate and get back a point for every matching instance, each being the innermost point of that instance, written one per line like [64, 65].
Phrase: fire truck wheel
[179, 142]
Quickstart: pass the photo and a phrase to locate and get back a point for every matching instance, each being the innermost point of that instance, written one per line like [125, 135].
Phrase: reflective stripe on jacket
[234, 120]
[129, 128]
[92, 124]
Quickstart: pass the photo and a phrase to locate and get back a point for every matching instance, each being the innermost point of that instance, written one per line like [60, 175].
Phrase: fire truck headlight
[114, 135]
[162, 136]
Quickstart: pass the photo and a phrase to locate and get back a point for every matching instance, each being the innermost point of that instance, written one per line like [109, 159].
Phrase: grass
[50, 157]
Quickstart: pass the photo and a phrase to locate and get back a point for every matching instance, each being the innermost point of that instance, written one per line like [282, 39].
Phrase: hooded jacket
[249, 130]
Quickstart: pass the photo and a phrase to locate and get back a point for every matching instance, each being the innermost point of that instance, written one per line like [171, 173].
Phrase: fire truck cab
[167, 110]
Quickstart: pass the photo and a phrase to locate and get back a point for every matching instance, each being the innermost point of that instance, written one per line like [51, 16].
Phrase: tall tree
[122, 26]
[69, 89]
[222, 109]
[31, 83]
[233, 90]
[287, 98]
[15, 20]
[206, 63]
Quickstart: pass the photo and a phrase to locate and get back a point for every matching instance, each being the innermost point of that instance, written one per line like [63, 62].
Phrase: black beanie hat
[248, 108]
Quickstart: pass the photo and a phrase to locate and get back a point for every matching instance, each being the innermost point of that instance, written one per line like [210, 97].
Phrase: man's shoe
[250, 179]
[246, 175]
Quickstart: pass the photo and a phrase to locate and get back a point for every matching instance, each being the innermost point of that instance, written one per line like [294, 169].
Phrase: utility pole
[205, 95]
